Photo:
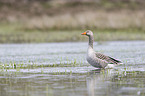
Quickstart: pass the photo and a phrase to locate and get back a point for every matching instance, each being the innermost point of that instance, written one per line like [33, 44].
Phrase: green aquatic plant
[81, 63]
[47, 94]
[70, 72]
[15, 66]
[18, 69]
[42, 71]
[65, 72]
[75, 62]
[60, 60]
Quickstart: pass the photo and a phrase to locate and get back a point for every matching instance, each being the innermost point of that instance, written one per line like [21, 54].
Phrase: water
[60, 69]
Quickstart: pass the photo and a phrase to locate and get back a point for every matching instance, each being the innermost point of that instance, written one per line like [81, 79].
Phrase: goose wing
[107, 58]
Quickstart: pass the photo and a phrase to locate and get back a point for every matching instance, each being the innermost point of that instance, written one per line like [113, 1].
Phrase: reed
[123, 19]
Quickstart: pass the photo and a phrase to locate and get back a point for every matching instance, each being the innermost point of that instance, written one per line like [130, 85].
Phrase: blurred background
[37, 21]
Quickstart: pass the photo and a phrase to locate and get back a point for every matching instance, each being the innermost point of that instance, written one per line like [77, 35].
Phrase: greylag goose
[97, 59]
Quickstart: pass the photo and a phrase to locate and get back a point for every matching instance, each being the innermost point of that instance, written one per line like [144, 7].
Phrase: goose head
[88, 33]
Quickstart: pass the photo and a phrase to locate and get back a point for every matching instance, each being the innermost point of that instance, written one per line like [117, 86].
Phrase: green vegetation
[34, 65]
[54, 21]
[11, 35]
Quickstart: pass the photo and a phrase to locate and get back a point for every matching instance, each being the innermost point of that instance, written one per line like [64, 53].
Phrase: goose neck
[91, 40]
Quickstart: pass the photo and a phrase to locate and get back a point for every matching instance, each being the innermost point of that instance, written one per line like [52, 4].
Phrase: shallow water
[60, 69]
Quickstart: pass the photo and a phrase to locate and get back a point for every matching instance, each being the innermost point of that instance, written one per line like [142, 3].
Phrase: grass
[12, 35]
[64, 21]
[33, 65]
[98, 19]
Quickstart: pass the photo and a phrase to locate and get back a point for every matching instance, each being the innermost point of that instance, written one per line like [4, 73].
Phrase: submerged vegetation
[34, 65]
[59, 69]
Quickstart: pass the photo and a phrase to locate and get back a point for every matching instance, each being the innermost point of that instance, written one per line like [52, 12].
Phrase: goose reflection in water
[97, 80]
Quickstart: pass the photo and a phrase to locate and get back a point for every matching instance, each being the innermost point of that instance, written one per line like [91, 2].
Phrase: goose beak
[84, 33]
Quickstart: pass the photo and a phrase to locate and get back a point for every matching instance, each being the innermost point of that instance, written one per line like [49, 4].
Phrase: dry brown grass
[98, 14]
[89, 20]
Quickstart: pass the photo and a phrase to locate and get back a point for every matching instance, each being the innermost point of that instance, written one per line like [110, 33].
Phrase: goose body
[97, 59]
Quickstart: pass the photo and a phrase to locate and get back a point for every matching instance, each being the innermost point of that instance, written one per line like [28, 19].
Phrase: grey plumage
[107, 58]
[96, 59]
